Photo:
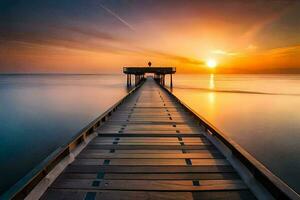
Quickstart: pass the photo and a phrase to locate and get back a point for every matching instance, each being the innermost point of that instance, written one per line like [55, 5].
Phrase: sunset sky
[101, 36]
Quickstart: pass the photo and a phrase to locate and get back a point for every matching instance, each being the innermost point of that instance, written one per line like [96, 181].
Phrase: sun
[211, 63]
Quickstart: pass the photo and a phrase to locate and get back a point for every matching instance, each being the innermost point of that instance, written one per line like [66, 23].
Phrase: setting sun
[211, 63]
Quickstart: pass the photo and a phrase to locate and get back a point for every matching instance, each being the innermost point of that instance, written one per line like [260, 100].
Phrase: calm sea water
[259, 112]
[40, 113]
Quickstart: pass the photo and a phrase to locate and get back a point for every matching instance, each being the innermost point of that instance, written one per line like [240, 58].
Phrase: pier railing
[274, 185]
[25, 185]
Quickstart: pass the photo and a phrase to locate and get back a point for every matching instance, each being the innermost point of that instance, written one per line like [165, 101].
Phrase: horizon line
[189, 73]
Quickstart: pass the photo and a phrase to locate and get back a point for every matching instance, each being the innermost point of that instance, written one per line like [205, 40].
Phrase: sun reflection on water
[212, 81]
[211, 94]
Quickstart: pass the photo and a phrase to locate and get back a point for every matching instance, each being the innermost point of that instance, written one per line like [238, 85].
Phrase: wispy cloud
[225, 53]
[256, 28]
[74, 38]
[174, 57]
[68, 37]
[284, 51]
[117, 17]
[90, 33]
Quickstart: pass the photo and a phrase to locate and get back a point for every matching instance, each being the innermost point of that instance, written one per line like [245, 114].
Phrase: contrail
[117, 16]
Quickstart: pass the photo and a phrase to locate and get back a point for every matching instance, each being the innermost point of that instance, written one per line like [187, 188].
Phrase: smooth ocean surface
[38, 113]
[259, 112]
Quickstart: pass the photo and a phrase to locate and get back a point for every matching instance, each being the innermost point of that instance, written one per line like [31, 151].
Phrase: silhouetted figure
[149, 64]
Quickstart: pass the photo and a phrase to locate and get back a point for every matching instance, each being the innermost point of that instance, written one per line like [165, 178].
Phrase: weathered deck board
[147, 156]
[148, 169]
[150, 148]
[149, 185]
[153, 176]
[130, 195]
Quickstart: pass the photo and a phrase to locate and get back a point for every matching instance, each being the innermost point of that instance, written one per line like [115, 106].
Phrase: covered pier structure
[139, 74]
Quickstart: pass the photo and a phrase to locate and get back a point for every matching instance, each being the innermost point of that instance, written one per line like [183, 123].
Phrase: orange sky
[102, 37]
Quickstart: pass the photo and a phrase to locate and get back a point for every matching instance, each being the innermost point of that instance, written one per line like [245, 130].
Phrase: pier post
[129, 80]
[160, 79]
[171, 81]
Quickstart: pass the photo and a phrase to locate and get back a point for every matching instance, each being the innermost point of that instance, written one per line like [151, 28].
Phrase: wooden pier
[139, 74]
[149, 145]
[150, 148]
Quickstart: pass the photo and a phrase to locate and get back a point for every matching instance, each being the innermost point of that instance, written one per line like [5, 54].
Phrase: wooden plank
[148, 132]
[162, 147]
[130, 195]
[150, 139]
[147, 151]
[150, 108]
[150, 128]
[155, 134]
[146, 122]
[149, 121]
[224, 195]
[183, 176]
[152, 115]
[143, 155]
[149, 185]
[158, 126]
[150, 135]
[165, 115]
[153, 176]
[150, 151]
[147, 169]
[147, 143]
[134, 162]
[54, 194]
